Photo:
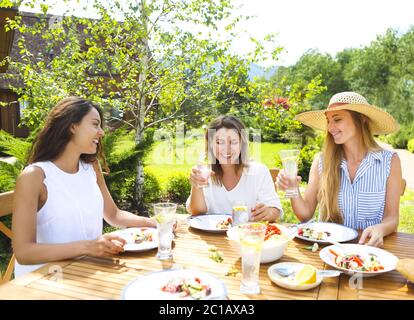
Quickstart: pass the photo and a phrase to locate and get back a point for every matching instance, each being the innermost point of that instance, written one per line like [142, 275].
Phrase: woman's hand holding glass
[199, 176]
[283, 182]
[105, 245]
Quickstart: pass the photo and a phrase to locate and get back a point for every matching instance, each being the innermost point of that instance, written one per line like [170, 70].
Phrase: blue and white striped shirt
[362, 201]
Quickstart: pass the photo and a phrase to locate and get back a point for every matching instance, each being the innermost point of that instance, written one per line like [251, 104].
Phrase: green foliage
[282, 100]
[400, 139]
[410, 145]
[121, 155]
[315, 66]
[306, 156]
[407, 212]
[5, 245]
[178, 188]
[152, 188]
[13, 147]
[8, 176]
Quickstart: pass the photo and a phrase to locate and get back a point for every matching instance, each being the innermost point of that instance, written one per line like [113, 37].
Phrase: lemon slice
[240, 208]
[252, 242]
[164, 218]
[306, 275]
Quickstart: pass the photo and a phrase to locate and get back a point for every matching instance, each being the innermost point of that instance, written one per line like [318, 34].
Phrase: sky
[326, 25]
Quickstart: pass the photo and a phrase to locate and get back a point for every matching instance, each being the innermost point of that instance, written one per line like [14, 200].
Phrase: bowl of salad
[276, 241]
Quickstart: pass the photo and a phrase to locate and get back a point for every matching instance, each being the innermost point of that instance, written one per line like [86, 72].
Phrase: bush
[152, 188]
[306, 157]
[5, 245]
[178, 188]
[122, 155]
[410, 145]
[399, 140]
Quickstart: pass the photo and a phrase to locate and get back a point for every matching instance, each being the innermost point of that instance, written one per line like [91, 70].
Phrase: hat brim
[381, 122]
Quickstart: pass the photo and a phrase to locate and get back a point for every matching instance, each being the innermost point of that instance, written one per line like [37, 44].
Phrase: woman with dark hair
[61, 197]
[354, 180]
[234, 179]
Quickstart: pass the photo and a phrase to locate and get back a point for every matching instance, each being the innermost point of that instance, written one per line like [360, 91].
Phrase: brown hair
[331, 172]
[55, 135]
[228, 122]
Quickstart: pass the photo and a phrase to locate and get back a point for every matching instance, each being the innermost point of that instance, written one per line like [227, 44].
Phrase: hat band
[336, 104]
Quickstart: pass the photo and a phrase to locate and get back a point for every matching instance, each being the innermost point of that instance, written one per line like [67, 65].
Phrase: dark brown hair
[55, 135]
[228, 122]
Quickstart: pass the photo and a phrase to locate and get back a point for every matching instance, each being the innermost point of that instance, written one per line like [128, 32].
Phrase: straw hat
[381, 122]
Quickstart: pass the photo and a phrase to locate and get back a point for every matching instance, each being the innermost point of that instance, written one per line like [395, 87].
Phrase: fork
[302, 226]
[286, 272]
[349, 251]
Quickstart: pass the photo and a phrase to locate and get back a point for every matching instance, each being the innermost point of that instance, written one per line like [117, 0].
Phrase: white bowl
[272, 249]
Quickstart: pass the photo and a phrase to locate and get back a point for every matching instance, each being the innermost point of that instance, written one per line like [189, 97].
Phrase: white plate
[129, 234]
[338, 232]
[289, 283]
[148, 287]
[208, 222]
[387, 259]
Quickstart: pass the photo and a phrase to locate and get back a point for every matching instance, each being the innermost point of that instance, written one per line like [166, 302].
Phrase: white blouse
[255, 186]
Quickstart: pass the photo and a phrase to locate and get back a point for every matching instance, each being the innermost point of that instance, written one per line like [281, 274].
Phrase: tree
[314, 66]
[152, 60]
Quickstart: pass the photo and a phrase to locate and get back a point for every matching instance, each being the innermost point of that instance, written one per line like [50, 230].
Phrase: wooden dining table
[104, 278]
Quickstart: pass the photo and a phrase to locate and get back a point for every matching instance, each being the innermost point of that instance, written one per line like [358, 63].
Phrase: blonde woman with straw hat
[354, 181]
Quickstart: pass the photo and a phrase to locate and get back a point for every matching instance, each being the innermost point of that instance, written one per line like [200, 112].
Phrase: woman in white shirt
[234, 179]
[61, 197]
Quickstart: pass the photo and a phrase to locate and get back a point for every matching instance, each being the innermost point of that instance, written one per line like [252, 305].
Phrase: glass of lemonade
[251, 237]
[290, 166]
[165, 216]
[240, 213]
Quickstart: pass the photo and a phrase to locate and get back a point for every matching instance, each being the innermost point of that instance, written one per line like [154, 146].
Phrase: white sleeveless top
[73, 210]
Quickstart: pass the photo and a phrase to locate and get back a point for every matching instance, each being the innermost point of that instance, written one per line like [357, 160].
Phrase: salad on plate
[224, 224]
[187, 288]
[356, 262]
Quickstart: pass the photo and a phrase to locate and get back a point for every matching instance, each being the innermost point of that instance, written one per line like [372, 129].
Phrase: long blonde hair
[332, 155]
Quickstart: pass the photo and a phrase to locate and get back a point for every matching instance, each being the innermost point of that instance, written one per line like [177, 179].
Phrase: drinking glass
[165, 216]
[290, 166]
[204, 168]
[240, 213]
[251, 237]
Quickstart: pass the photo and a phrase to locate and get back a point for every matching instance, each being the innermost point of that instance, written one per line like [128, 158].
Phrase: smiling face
[226, 146]
[341, 126]
[87, 132]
